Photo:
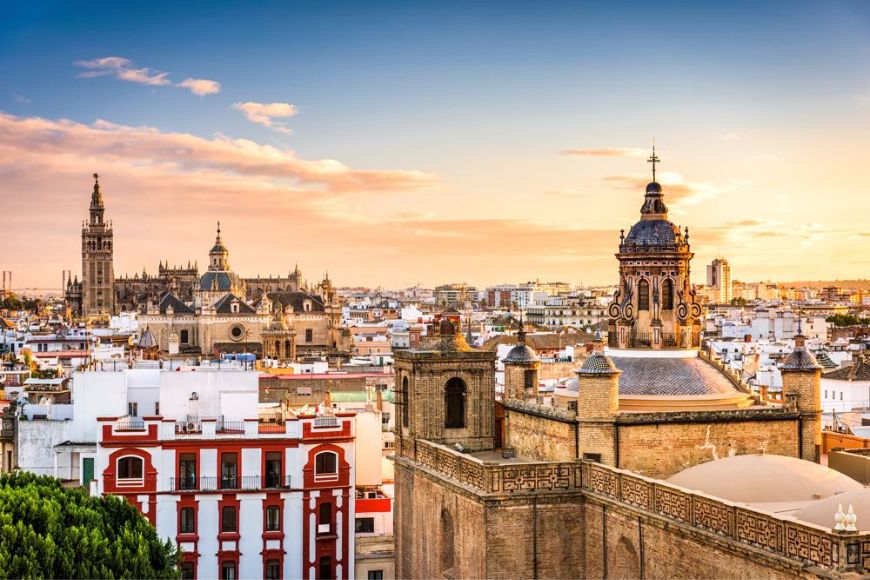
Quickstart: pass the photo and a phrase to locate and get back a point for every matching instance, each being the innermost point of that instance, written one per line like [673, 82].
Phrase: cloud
[605, 152]
[266, 113]
[21, 99]
[122, 69]
[200, 87]
[731, 137]
[675, 188]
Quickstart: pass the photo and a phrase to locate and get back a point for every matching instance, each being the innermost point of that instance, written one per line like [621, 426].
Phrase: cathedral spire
[654, 159]
[97, 209]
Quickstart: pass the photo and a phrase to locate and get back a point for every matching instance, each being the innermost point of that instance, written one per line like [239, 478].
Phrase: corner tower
[98, 272]
[654, 306]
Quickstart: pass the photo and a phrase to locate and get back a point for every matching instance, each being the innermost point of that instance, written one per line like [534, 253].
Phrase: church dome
[520, 354]
[764, 479]
[653, 234]
[219, 280]
[822, 512]
[653, 187]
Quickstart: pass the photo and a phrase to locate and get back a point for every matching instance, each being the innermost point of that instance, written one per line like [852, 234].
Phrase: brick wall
[540, 438]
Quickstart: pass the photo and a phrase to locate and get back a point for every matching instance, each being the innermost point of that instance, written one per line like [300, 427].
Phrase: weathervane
[653, 159]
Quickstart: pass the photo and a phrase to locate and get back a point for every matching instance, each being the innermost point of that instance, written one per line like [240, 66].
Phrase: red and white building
[242, 497]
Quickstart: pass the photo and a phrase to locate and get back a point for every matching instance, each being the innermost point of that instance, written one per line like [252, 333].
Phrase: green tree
[48, 531]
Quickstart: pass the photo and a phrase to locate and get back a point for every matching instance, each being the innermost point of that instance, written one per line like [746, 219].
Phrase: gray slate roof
[224, 305]
[858, 371]
[800, 359]
[296, 300]
[521, 353]
[670, 376]
[598, 364]
[169, 299]
[825, 360]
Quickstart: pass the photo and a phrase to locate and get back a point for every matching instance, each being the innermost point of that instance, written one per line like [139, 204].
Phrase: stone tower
[98, 273]
[521, 366]
[801, 388]
[597, 405]
[446, 393]
[654, 306]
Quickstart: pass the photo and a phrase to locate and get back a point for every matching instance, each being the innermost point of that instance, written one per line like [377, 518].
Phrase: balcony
[238, 483]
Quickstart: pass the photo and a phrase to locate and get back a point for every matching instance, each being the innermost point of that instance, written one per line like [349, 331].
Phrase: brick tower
[446, 393]
[98, 273]
[801, 386]
[597, 404]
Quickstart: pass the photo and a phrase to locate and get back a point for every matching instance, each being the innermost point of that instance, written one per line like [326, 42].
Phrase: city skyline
[316, 137]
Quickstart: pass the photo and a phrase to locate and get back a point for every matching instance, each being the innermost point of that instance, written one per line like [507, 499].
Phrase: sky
[395, 143]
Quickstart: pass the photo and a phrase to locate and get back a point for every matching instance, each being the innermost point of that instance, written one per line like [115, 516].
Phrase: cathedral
[665, 465]
[212, 313]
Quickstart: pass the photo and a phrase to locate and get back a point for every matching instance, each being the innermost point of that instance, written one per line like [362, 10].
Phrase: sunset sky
[392, 143]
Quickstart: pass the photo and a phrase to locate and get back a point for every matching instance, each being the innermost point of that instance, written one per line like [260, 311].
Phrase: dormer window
[234, 307]
[306, 306]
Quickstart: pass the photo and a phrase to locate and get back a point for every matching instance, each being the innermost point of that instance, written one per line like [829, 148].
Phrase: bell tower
[98, 273]
[446, 393]
[654, 306]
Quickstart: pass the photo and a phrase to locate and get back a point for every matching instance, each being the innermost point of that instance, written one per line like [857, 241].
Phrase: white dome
[822, 512]
[764, 479]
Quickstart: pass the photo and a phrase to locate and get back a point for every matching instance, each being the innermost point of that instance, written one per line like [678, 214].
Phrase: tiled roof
[224, 305]
[169, 299]
[220, 280]
[670, 376]
[542, 341]
[598, 364]
[653, 233]
[521, 353]
[825, 360]
[296, 300]
[859, 371]
[800, 359]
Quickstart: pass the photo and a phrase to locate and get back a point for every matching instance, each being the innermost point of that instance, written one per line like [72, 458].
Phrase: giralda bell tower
[98, 273]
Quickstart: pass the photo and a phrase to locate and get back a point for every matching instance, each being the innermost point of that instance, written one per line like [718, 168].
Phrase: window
[324, 518]
[841, 395]
[228, 571]
[273, 518]
[365, 525]
[826, 393]
[454, 402]
[187, 524]
[187, 571]
[324, 568]
[643, 295]
[668, 295]
[447, 552]
[273, 469]
[185, 337]
[273, 570]
[228, 518]
[406, 400]
[133, 409]
[596, 457]
[157, 408]
[529, 379]
[236, 332]
[187, 471]
[130, 468]
[376, 575]
[229, 471]
[326, 466]
[309, 335]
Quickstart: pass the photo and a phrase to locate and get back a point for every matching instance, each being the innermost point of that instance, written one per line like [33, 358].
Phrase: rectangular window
[157, 407]
[229, 471]
[376, 575]
[325, 568]
[596, 457]
[273, 518]
[133, 409]
[309, 335]
[273, 570]
[188, 521]
[273, 469]
[228, 571]
[365, 526]
[228, 519]
[187, 471]
[187, 571]
[324, 518]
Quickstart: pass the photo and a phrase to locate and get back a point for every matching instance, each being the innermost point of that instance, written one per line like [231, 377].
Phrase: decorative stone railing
[496, 477]
[784, 536]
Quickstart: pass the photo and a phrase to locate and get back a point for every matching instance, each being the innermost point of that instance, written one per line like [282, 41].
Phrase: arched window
[287, 349]
[130, 468]
[454, 403]
[406, 412]
[326, 466]
[668, 295]
[643, 295]
[447, 549]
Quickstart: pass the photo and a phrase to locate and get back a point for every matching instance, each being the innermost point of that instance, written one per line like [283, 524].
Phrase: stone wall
[540, 436]
[666, 446]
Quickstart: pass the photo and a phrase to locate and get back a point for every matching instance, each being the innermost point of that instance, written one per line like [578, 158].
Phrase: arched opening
[287, 349]
[643, 295]
[130, 468]
[448, 554]
[668, 295]
[405, 403]
[625, 563]
[454, 403]
[326, 466]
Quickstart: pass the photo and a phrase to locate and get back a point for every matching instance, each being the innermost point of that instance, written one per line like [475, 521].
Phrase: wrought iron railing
[230, 483]
[130, 424]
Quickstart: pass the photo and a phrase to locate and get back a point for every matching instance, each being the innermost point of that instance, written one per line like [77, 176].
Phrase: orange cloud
[605, 152]
[200, 87]
[265, 114]
[122, 69]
